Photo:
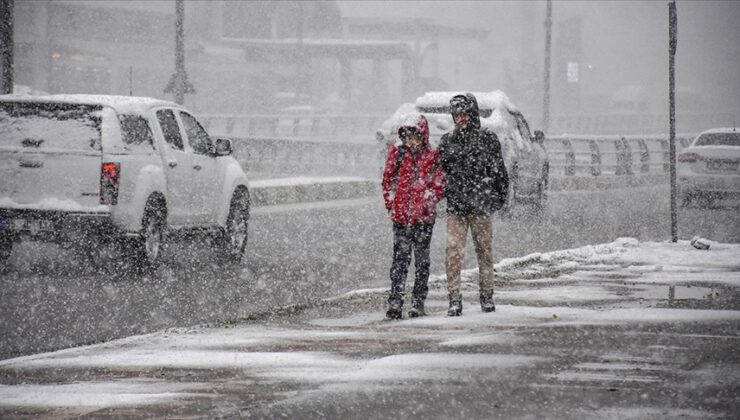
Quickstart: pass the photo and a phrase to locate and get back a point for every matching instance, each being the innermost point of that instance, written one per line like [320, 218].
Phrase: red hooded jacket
[412, 190]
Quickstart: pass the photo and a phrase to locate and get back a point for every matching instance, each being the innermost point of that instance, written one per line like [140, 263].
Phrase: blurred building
[241, 57]
[349, 57]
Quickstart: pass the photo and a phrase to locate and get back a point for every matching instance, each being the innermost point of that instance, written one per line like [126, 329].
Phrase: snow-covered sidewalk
[625, 329]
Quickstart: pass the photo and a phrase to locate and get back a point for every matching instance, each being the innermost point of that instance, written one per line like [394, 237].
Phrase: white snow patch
[142, 358]
[93, 394]
[355, 320]
[51, 203]
[589, 376]
[589, 254]
[559, 294]
[485, 339]
[436, 366]
[410, 366]
[622, 367]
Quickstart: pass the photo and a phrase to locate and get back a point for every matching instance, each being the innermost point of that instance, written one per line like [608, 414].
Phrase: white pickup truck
[119, 168]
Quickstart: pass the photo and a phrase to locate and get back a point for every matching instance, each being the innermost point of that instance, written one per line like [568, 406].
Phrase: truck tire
[234, 238]
[147, 248]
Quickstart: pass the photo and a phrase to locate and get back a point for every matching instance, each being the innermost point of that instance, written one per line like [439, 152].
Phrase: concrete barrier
[268, 194]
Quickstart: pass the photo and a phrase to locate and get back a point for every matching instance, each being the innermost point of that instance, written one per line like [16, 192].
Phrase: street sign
[572, 72]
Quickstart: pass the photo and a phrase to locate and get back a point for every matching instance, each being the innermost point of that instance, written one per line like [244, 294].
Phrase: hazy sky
[624, 42]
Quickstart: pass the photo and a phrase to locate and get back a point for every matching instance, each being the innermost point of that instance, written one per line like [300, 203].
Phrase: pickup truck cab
[524, 153]
[115, 167]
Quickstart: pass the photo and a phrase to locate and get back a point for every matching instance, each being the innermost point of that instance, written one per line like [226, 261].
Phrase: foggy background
[336, 57]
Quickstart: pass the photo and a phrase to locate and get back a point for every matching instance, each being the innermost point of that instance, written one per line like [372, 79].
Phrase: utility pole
[548, 43]
[6, 46]
[178, 84]
[672, 43]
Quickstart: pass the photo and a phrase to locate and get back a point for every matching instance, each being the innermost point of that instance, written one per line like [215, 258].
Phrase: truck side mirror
[539, 137]
[223, 147]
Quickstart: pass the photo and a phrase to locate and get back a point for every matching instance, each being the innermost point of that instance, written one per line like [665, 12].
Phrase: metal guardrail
[362, 127]
[320, 145]
[610, 155]
[621, 124]
[280, 146]
[588, 157]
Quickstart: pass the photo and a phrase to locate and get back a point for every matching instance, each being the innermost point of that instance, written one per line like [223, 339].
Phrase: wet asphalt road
[342, 360]
[52, 299]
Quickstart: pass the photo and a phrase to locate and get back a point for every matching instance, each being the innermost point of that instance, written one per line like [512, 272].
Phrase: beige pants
[481, 228]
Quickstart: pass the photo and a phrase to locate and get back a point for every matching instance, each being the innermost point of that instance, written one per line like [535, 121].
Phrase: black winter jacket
[476, 180]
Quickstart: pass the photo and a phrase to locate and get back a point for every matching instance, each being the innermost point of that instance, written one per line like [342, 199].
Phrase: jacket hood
[466, 103]
[418, 122]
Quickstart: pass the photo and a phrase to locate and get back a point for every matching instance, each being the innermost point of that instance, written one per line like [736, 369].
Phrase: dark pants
[407, 238]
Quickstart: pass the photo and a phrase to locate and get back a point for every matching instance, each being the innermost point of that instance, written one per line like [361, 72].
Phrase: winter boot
[417, 308]
[455, 308]
[395, 310]
[486, 302]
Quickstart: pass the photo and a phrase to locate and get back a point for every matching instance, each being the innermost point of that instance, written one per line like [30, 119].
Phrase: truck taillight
[109, 174]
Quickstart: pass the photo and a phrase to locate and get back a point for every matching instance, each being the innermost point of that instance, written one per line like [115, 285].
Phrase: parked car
[119, 168]
[524, 153]
[709, 168]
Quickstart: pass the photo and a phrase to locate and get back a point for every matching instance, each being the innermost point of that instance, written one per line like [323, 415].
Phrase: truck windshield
[43, 125]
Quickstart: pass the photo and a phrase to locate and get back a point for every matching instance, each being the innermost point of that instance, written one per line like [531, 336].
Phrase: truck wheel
[236, 232]
[147, 248]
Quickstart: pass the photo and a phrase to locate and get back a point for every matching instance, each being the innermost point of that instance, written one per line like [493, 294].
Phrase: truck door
[179, 169]
[206, 184]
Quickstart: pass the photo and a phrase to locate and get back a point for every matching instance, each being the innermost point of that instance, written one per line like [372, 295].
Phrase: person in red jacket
[413, 184]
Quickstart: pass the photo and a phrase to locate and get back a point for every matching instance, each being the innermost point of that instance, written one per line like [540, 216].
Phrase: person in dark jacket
[476, 185]
[412, 184]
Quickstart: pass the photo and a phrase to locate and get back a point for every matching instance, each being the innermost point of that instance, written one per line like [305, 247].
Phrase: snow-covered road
[623, 329]
[297, 253]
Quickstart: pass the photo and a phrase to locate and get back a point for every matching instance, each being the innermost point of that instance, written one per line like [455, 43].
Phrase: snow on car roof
[486, 100]
[122, 104]
[720, 130]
